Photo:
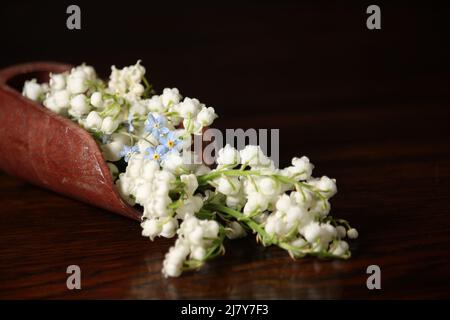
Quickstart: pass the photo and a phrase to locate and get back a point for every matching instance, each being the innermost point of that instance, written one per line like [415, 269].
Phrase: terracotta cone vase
[48, 150]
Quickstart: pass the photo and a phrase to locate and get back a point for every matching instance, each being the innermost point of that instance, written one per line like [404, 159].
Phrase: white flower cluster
[196, 240]
[290, 204]
[118, 112]
[127, 80]
[35, 91]
[146, 139]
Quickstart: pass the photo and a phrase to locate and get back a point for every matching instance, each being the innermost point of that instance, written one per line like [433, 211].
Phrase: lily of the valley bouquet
[147, 140]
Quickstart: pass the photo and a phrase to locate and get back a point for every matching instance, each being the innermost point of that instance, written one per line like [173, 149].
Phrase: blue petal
[150, 151]
[135, 149]
[177, 144]
[161, 149]
[163, 131]
[150, 119]
[161, 121]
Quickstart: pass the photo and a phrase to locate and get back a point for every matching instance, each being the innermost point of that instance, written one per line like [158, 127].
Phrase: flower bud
[352, 233]
[150, 228]
[188, 108]
[196, 236]
[235, 230]
[169, 228]
[339, 248]
[32, 90]
[96, 99]
[94, 121]
[206, 116]
[62, 98]
[109, 125]
[111, 151]
[137, 89]
[198, 253]
[341, 232]
[57, 81]
[113, 169]
[79, 105]
[228, 156]
[170, 97]
[76, 84]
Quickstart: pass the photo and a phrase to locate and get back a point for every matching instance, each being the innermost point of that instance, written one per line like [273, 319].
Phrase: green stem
[231, 172]
[299, 184]
[256, 227]
[148, 88]
[202, 180]
[216, 249]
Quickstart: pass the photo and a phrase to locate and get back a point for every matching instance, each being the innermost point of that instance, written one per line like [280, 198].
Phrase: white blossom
[339, 248]
[236, 201]
[97, 100]
[79, 106]
[301, 169]
[174, 259]
[189, 206]
[111, 150]
[33, 90]
[341, 232]
[190, 183]
[179, 194]
[195, 237]
[228, 185]
[109, 125]
[253, 156]
[189, 108]
[206, 116]
[169, 228]
[352, 233]
[61, 98]
[268, 186]
[256, 202]
[228, 156]
[319, 235]
[324, 185]
[113, 169]
[235, 230]
[77, 81]
[93, 121]
[173, 162]
[201, 170]
[170, 97]
[57, 81]
[151, 228]
[155, 104]
[127, 80]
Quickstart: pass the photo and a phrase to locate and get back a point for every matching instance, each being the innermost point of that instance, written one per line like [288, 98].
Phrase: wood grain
[395, 192]
[370, 109]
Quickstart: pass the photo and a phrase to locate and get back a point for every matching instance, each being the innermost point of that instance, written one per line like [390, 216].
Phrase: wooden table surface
[369, 109]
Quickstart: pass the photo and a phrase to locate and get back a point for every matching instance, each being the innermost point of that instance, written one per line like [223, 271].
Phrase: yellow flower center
[170, 143]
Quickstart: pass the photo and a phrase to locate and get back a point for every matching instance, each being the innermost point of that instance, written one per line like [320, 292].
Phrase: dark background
[369, 107]
[265, 59]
